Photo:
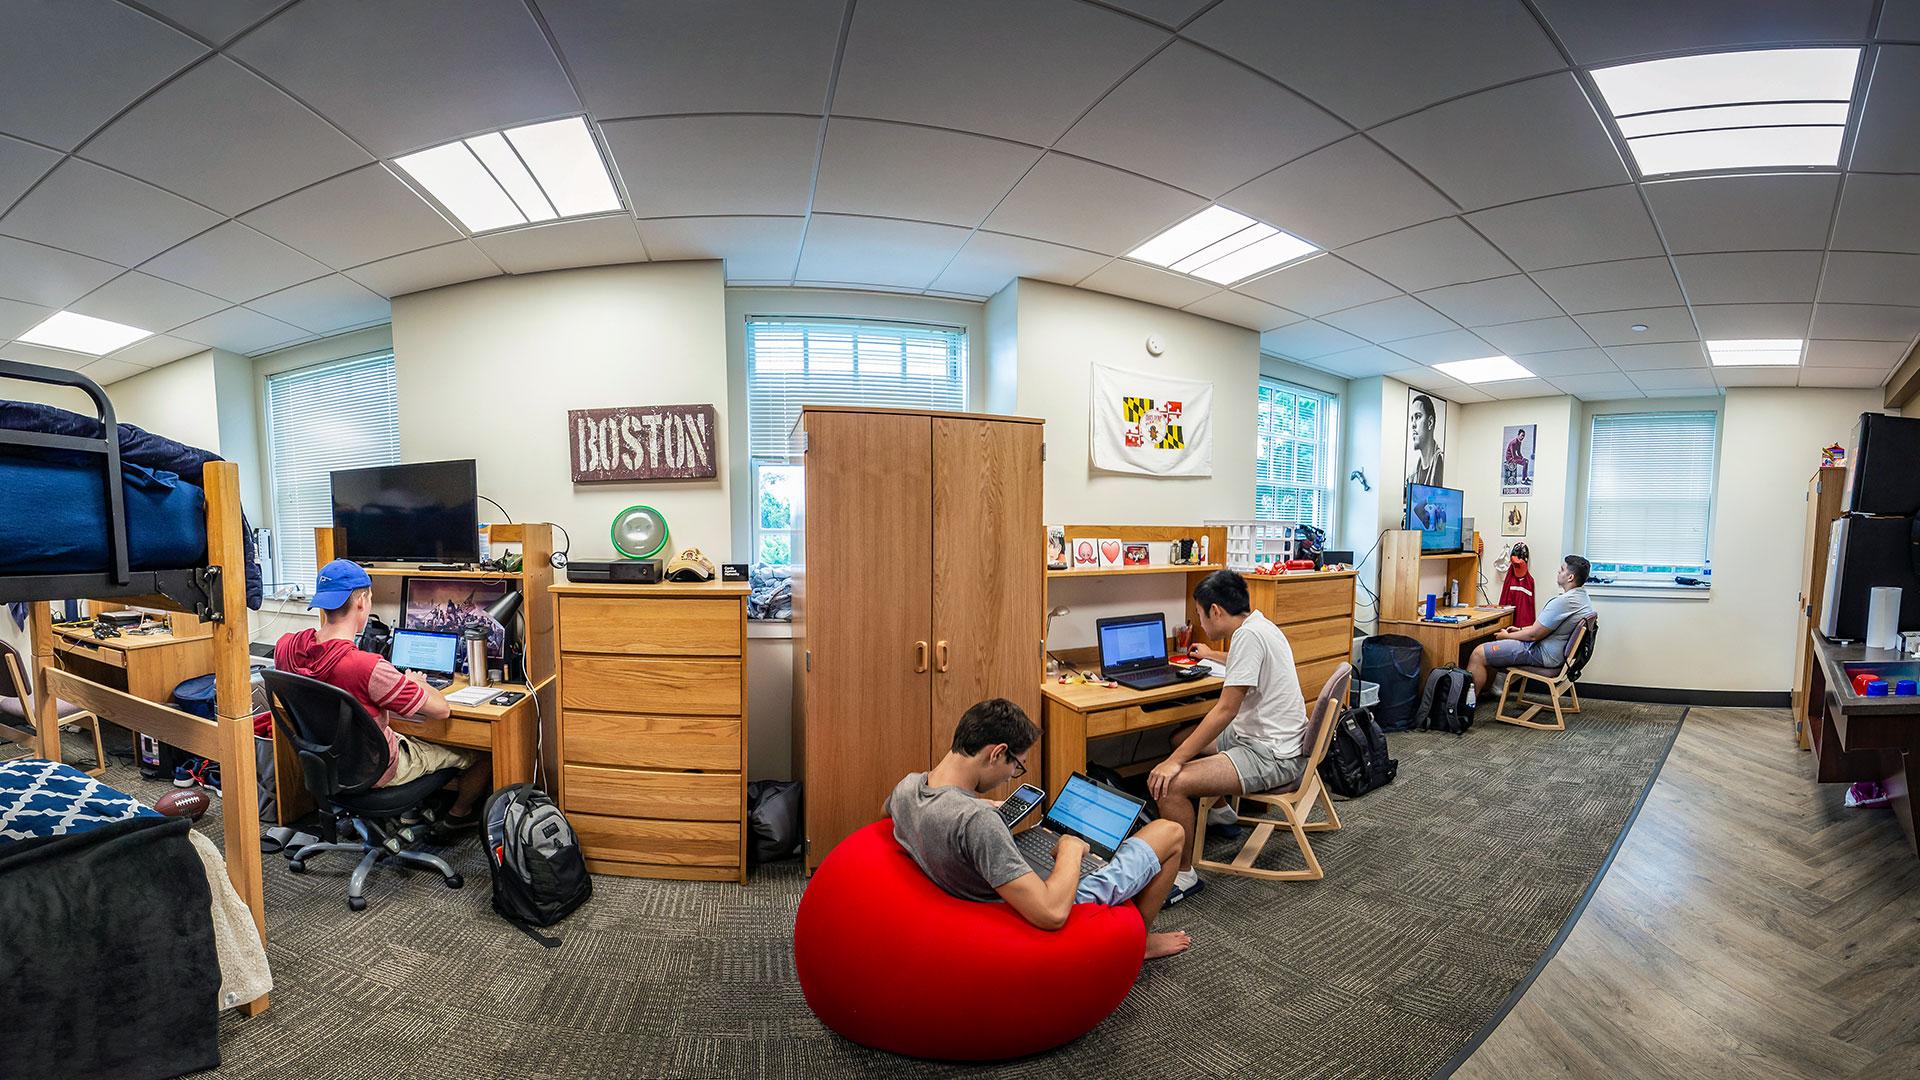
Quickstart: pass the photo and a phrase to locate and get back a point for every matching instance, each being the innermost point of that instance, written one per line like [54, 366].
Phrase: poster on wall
[1150, 424]
[1513, 519]
[1426, 438]
[1516, 460]
[642, 442]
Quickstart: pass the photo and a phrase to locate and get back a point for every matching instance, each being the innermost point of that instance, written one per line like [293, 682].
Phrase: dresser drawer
[658, 742]
[666, 843]
[1315, 675]
[1320, 639]
[628, 684]
[644, 793]
[468, 733]
[1133, 718]
[650, 627]
[1307, 600]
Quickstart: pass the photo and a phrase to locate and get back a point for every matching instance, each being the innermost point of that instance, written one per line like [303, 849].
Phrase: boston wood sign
[642, 442]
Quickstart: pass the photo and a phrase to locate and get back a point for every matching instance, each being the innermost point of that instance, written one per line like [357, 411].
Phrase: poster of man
[1426, 438]
[1516, 461]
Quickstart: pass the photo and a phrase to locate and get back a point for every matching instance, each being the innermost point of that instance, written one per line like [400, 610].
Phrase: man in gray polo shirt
[1544, 644]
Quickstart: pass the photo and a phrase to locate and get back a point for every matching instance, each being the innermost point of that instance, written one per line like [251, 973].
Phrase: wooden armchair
[16, 711]
[1295, 804]
[1557, 682]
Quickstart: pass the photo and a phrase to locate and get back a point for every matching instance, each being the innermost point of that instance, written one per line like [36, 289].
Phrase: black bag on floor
[1392, 661]
[1357, 760]
[773, 820]
[539, 875]
[1443, 705]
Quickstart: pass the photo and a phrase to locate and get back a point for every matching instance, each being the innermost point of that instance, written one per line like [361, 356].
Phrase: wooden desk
[1863, 738]
[1079, 713]
[1447, 644]
[145, 665]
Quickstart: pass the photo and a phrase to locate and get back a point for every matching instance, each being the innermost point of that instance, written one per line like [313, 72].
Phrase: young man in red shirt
[343, 595]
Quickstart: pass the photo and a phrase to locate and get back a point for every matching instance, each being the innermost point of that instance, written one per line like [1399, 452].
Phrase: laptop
[1133, 651]
[428, 652]
[1101, 815]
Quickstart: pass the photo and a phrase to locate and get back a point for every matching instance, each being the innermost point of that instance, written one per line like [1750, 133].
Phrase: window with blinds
[341, 415]
[1650, 494]
[1293, 474]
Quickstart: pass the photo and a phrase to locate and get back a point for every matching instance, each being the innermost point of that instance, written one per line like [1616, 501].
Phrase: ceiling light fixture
[83, 334]
[518, 176]
[1484, 369]
[1756, 352]
[1222, 246]
[1733, 110]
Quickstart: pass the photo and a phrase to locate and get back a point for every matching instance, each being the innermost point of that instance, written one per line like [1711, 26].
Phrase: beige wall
[178, 400]
[1475, 448]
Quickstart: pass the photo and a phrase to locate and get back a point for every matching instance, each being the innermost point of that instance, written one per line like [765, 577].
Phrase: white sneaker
[1222, 814]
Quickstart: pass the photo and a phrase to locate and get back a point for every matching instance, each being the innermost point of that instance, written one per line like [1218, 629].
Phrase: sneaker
[183, 773]
[1178, 894]
[1222, 814]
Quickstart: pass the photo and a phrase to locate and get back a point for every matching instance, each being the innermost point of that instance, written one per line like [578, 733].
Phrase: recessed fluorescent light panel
[1221, 246]
[83, 334]
[1733, 110]
[1756, 352]
[519, 176]
[1484, 369]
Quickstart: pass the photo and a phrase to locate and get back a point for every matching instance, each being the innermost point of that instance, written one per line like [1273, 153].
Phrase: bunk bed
[82, 523]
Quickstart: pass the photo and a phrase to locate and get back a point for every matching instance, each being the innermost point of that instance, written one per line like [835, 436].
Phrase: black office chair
[342, 753]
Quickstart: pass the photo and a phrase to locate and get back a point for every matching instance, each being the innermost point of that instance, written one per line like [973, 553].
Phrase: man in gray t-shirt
[1545, 643]
[959, 841]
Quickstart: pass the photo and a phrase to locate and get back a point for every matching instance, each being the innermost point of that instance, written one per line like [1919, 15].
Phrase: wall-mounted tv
[425, 512]
[1436, 513]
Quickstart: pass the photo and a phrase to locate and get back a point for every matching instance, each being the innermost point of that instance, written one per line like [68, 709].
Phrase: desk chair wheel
[296, 866]
[456, 881]
[357, 903]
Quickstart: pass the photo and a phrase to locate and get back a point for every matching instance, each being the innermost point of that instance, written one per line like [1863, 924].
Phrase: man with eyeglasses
[960, 842]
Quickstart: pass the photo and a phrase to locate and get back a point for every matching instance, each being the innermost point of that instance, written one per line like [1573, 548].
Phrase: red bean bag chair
[890, 960]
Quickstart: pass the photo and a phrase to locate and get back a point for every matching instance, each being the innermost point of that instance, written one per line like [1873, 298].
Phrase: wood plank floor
[1750, 926]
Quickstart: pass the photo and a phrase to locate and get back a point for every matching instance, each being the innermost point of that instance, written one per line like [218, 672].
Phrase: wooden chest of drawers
[652, 727]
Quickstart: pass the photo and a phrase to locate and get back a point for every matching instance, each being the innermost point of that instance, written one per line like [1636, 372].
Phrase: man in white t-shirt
[1253, 739]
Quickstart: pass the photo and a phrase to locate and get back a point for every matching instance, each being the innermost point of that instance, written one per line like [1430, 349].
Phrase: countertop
[1832, 659]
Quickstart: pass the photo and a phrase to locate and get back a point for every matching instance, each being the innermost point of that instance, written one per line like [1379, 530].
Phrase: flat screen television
[425, 512]
[1435, 512]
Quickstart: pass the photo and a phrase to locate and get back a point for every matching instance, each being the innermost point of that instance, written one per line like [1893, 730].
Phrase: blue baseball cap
[336, 583]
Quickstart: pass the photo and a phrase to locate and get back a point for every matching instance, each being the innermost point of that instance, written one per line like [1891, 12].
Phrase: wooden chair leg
[1324, 800]
[99, 752]
[1533, 708]
[1263, 829]
[1573, 692]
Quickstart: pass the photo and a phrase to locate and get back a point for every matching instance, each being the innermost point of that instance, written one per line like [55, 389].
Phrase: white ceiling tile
[1539, 137]
[85, 208]
[1611, 286]
[863, 286]
[1884, 141]
[1856, 354]
[460, 66]
[1147, 283]
[735, 165]
[1675, 379]
[715, 56]
[240, 330]
[1862, 277]
[876, 251]
[883, 170]
[1200, 122]
[1307, 340]
[1390, 319]
[1230, 307]
[1536, 336]
[1658, 357]
[55, 358]
[1878, 212]
[1444, 348]
[1722, 321]
[1620, 29]
[1321, 284]
[1020, 69]
[1899, 21]
[1498, 300]
[1777, 212]
[990, 260]
[1443, 252]
[66, 66]
[1164, 12]
[1342, 193]
[1371, 62]
[1514, 389]
[1552, 365]
[38, 274]
[1431, 381]
[22, 163]
[235, 263]
[1750, 277]
[1756, 376]
[1068, 201]
[1861, 378]
[150, 303]
[1684, 392]
[17, 318]
[1865, 322]
[428, 268]
[755, 248]
[1362, 362]
[597, 241]
[1617, 327]
[223, 137]
[216, 20]
[1604, 386]
[323, 306]
[105, 371]
[365, 215]
[158, 349]
[1569, 230]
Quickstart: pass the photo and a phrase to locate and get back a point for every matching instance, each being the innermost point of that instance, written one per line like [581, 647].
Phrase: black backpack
[1357, 760]
[539, 875]
[1443, 704]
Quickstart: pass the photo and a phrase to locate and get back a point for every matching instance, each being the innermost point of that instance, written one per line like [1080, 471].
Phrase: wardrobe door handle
[920, 656]
[940, 651]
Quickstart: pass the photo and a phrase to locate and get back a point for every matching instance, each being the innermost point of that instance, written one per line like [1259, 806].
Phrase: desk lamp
[503, 612]
[1053, 666]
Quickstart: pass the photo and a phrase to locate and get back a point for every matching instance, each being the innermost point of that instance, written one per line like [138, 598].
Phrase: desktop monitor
[1132, 642]
[1436, 513]
[425, 512]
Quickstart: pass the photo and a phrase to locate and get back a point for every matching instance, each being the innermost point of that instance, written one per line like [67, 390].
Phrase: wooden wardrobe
[920, 593]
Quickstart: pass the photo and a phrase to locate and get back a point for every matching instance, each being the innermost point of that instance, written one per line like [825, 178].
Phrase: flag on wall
[1151, 424]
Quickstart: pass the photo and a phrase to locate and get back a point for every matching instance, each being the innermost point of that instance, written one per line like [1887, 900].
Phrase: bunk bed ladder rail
[108, 445]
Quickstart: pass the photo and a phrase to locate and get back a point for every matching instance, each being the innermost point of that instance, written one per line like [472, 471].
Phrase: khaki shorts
[417, 758]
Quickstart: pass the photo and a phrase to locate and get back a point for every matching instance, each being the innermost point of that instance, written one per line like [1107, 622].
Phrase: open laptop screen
[1095, 813]
[424, 650]
[1135, 641]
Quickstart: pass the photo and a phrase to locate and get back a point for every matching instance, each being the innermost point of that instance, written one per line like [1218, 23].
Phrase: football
[186, 803]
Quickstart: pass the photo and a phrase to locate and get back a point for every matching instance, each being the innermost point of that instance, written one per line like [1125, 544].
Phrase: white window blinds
[1650, 491]
[343, 415]
[1293, 474]
[795, 362]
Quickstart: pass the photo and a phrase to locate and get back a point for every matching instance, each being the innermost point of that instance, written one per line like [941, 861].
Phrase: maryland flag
[1151, 424]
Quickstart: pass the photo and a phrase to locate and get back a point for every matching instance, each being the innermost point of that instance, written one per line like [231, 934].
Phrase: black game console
[615, 571]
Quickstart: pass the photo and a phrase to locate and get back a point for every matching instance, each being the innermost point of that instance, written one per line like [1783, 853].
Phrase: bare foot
[1167, 943]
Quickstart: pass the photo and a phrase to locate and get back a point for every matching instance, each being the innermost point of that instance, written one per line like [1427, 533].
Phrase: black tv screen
[428, 512]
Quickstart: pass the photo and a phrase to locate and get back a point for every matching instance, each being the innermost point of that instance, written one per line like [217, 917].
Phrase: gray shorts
[1260, 767]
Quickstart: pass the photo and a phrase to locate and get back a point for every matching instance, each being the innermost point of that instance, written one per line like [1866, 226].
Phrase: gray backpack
[1443, 704]
[539, 875]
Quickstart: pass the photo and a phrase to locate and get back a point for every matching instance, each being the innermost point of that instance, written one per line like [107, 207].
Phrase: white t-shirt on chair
[1260, 659]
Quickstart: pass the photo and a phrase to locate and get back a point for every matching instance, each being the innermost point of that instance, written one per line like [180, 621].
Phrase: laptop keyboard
[1037, 845]
[438, 682]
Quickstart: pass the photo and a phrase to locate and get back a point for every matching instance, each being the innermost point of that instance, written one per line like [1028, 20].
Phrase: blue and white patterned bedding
[46, 798]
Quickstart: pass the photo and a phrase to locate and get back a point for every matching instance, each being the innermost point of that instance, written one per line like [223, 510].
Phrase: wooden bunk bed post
[46, 706]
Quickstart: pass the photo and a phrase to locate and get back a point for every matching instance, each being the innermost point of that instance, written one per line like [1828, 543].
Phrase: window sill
[1651, 591]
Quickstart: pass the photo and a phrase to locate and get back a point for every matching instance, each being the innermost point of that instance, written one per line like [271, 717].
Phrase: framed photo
[1056, 547]
[1426, 438]
[1136, 555]
[448, 605]
[1513, 519]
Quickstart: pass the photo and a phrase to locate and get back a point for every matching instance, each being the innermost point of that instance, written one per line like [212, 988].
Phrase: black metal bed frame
[195, 589]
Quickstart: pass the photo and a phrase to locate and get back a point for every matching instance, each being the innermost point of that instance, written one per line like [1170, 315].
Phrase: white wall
[1475, 448]
[178, 400]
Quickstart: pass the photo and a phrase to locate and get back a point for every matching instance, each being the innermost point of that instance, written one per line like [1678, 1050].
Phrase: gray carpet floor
[1441, 891]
